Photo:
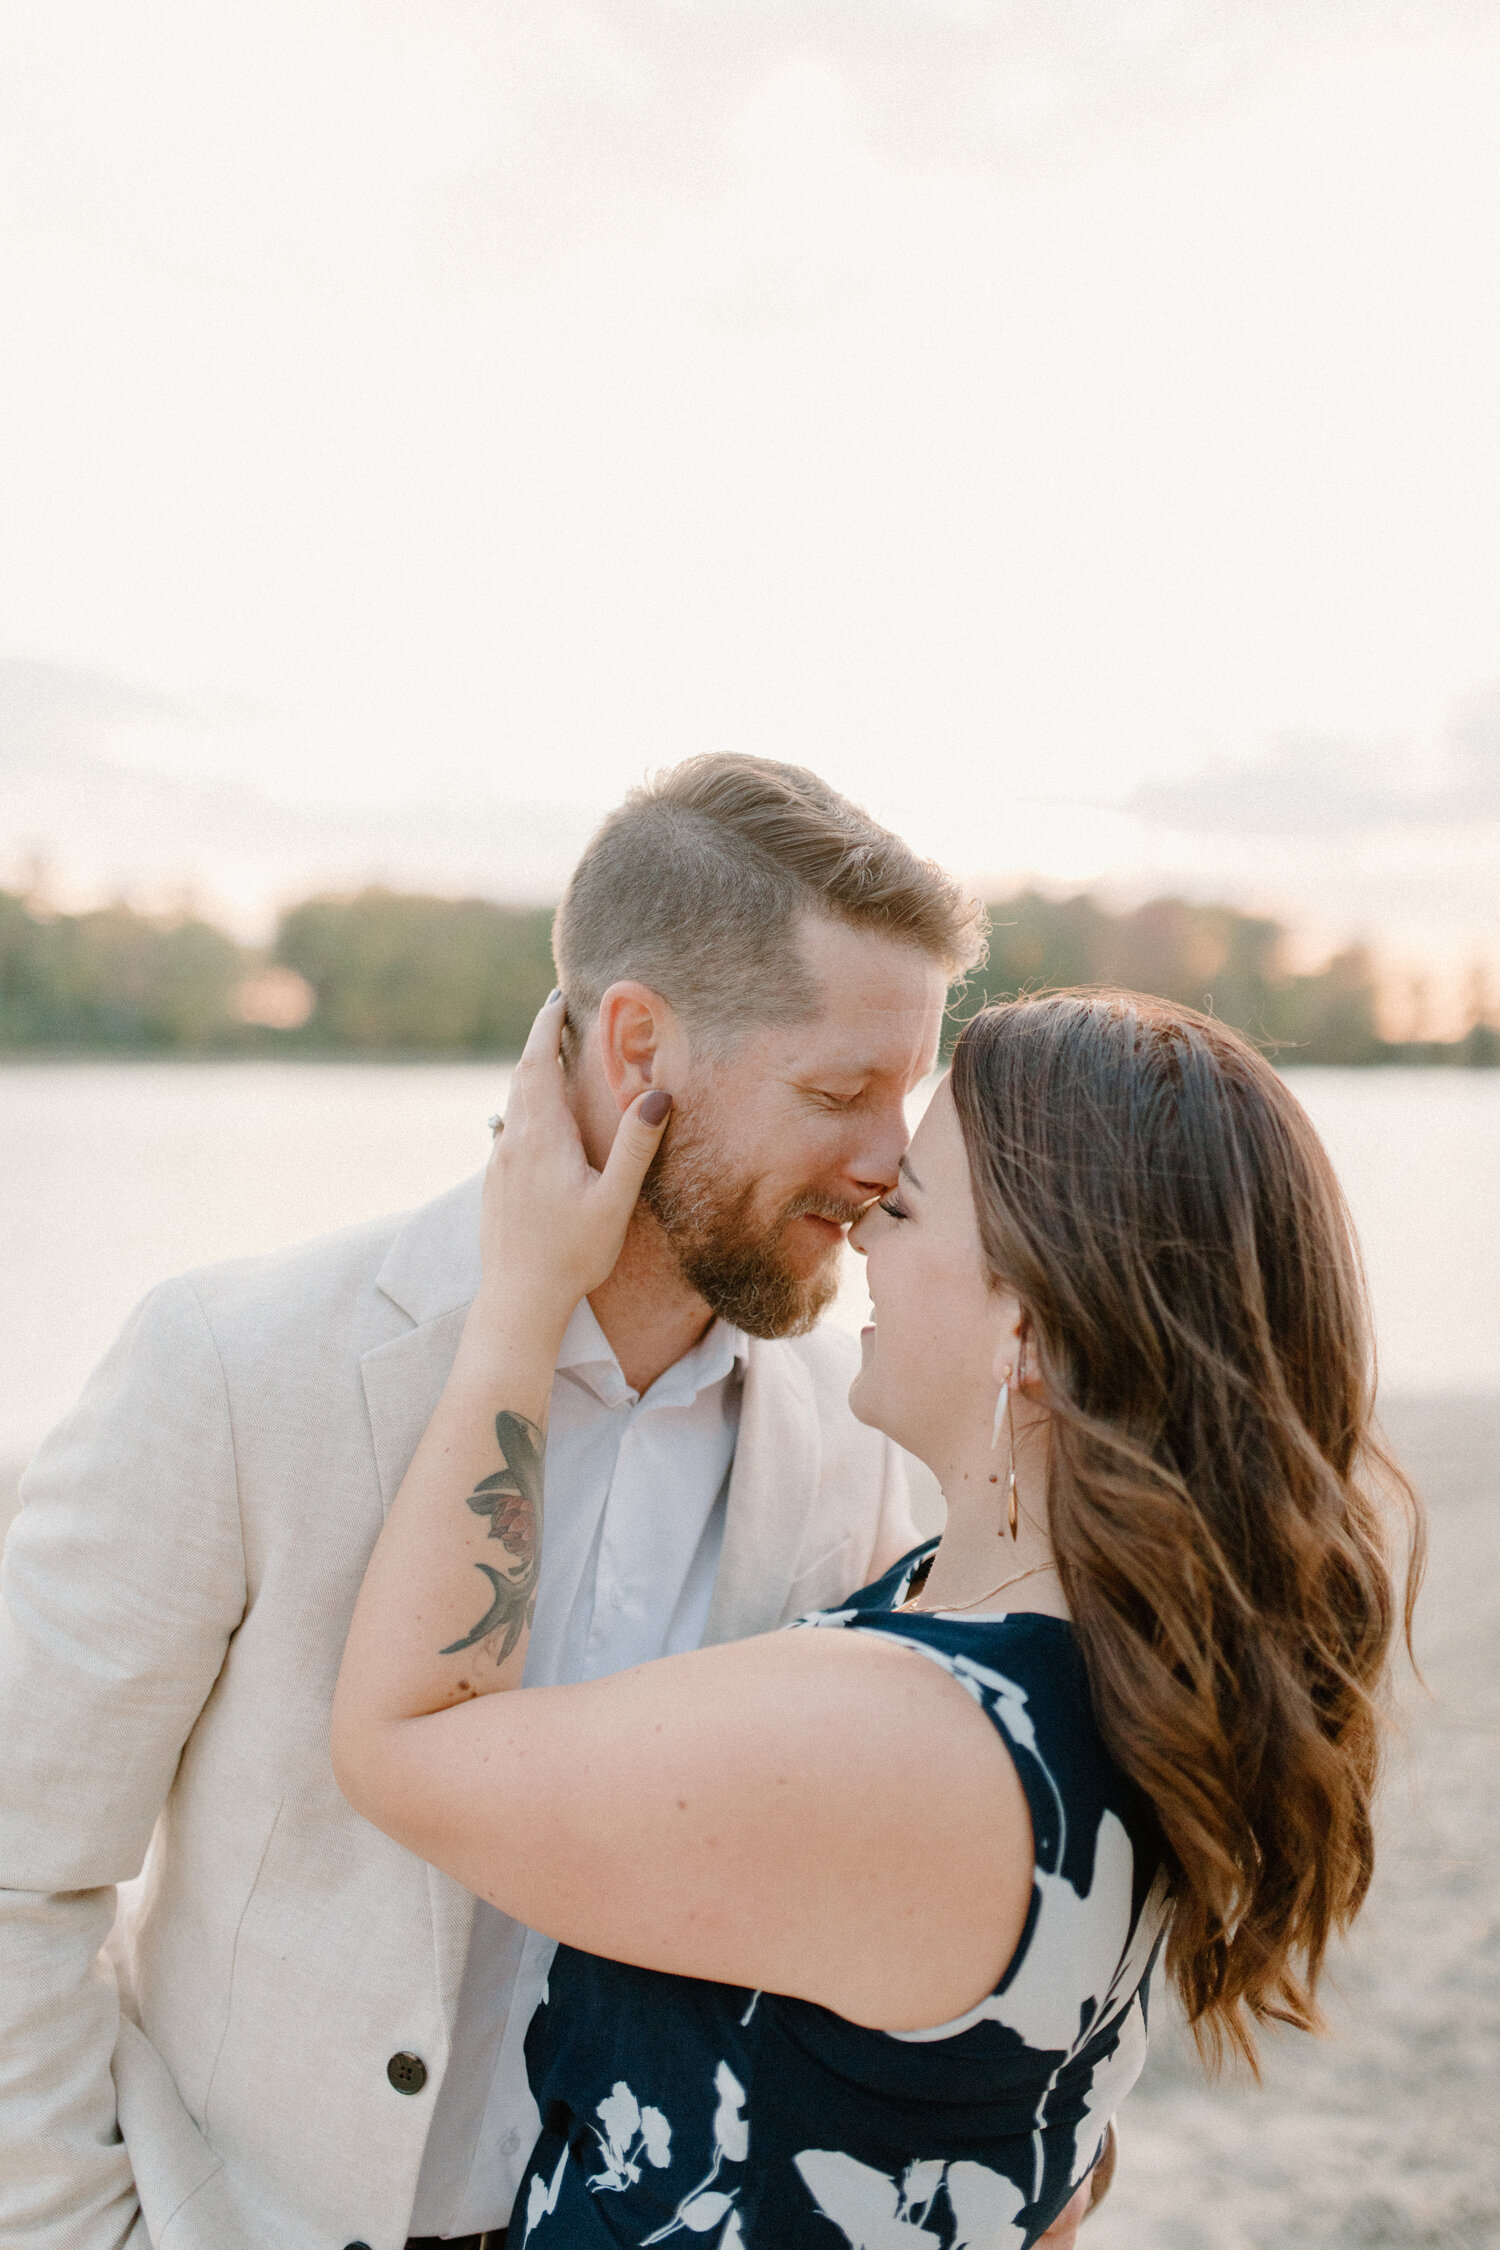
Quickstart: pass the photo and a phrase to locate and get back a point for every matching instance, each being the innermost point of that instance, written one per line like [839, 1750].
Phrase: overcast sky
[1069, 424]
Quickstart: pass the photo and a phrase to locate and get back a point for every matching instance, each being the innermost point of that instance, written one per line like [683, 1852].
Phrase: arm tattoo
[512, 1499]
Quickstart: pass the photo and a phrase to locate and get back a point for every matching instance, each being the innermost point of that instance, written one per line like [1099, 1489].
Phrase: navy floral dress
[675, 2108]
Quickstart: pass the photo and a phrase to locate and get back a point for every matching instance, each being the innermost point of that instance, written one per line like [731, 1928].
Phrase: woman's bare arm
[816, 1813]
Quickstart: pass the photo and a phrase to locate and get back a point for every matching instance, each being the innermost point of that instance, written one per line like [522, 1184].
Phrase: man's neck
[649, 1314]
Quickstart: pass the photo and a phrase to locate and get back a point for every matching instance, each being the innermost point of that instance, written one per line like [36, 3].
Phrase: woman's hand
[552, 1228]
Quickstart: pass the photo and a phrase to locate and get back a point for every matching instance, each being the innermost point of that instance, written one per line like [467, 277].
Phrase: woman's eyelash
[892, 1209]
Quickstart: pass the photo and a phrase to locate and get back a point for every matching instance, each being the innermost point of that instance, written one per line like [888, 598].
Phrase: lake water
[114, 1175]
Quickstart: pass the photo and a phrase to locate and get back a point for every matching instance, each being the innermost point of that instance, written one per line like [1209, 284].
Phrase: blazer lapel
[773, 1489]
[431, 1272]
[403, 1382]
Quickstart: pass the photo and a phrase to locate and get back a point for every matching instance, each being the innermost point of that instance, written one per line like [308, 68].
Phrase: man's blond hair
[696, 886]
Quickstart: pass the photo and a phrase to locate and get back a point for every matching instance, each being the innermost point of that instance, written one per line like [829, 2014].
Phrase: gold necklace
[1034, 1572]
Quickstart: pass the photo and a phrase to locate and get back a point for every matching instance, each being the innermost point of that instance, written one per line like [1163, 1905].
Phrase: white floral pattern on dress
[706, 2204]
[541, 2202]
[630, 2132]
[875, 2212]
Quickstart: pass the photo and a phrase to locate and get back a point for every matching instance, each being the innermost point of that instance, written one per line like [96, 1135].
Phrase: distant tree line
[114, 978]
[386, 973]
[412, 975]
[1227, 964]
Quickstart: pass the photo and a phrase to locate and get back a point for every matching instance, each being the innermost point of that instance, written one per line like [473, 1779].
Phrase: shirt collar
[586, 1352]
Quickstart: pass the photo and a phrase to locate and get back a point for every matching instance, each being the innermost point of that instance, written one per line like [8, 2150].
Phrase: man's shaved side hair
[696, 884]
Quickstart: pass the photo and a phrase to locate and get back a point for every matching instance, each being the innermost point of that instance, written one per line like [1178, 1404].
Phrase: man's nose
[875, 1165]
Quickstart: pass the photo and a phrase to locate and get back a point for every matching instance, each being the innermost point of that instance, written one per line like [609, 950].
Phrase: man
[298, 2035]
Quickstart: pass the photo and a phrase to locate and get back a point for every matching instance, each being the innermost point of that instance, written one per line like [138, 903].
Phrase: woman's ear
[1028, 1359]
[1012, 1328]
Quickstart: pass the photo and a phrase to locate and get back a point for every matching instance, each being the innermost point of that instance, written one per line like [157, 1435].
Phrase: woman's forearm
[445, 1610]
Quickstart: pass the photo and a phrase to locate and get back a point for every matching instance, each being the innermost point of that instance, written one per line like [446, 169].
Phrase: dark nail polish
[654, 1108]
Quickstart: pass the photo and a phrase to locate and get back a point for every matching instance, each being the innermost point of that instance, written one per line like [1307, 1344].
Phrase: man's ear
[634, 1022]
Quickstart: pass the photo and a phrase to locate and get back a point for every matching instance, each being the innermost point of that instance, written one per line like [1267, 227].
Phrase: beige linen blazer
[205, 2069]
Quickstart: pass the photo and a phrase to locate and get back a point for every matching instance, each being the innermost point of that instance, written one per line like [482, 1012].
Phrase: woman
[856, 1923]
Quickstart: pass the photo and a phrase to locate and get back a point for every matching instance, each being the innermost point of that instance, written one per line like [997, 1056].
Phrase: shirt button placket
[609, 1600]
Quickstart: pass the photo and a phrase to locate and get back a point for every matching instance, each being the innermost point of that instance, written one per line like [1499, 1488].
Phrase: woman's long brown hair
[1219, 1501]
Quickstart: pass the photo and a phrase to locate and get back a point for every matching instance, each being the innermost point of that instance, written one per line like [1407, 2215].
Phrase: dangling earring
[1012, 1504]
[1001, 1403]
[1005, 1412]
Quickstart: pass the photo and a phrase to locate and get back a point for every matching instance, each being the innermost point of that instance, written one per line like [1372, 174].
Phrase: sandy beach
[1386, 2132]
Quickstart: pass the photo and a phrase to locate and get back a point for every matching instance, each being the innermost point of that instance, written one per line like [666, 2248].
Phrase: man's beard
[739, 1265]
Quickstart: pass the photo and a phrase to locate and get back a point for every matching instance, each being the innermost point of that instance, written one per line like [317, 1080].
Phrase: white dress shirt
[635, 1496]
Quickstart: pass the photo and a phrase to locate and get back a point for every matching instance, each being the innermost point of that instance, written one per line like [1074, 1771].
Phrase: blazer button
[407, 2073]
